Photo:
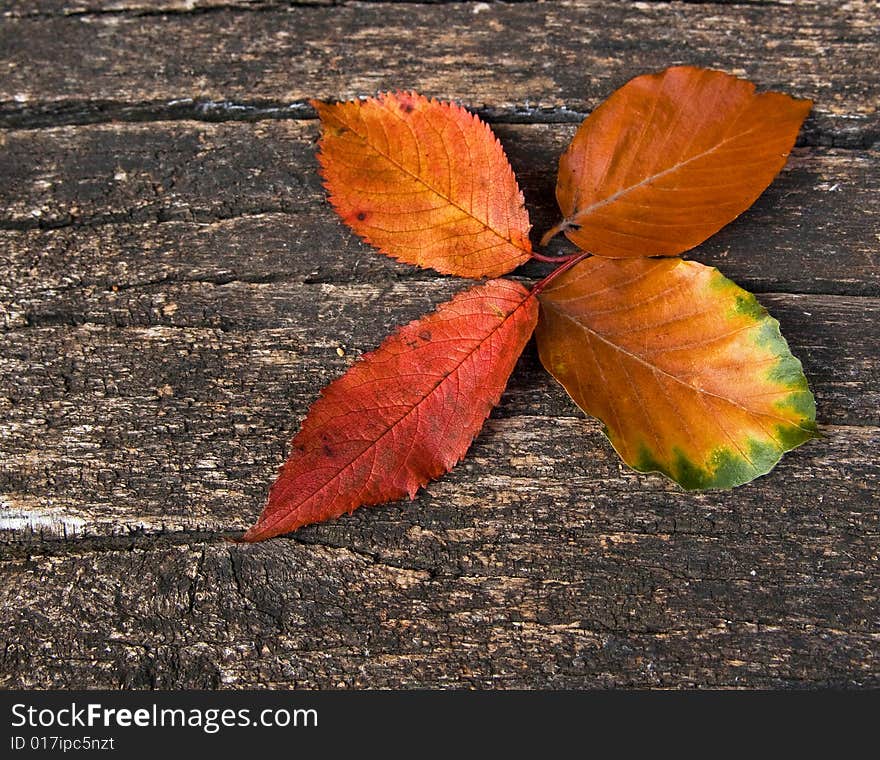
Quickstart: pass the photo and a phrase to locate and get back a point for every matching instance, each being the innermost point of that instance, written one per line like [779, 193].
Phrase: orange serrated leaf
[687, 370]
[425, 182]
[669, 159]
[405, 413]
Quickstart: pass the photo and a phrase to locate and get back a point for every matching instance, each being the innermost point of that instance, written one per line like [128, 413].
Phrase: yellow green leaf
[689, 373]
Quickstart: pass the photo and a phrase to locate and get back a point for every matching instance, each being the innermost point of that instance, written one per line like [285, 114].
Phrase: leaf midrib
[580, 214]
[662, 371]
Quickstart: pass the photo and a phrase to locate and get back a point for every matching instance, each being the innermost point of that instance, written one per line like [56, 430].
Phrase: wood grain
[128, 204]
[567, 56]
[611, 609]
[176, 291]
[173, 423]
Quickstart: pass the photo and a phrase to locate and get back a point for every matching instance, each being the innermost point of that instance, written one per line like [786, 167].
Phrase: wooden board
[180, 192]
[514, 60]
[176, 291]
[175, 427]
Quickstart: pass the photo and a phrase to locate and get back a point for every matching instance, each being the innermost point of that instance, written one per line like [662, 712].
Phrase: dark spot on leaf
[327, 450]
[407, 107]
[361, 215]
[425, 335]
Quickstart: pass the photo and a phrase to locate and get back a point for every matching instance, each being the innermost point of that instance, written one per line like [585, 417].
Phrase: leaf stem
[572, 260]
[552, 259]
[554, 231]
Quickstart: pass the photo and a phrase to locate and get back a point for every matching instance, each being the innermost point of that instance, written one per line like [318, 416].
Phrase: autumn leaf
[424, 182]
[405, 413]
[690, 375]
[669, 159]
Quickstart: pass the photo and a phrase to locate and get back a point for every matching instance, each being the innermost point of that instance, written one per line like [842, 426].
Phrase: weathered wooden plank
[137, 173]
[814, 230]
[175, 412]
[530, 607]
[141, 8]
[123, 477]
[174, 296]
[187, 334]
[18, 8]
[298, 330]
[507, 56]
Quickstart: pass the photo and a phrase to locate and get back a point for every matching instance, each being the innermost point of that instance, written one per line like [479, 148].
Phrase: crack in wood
[78, 113]
[196, 8]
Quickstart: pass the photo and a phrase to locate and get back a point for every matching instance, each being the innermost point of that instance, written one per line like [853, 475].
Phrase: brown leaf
[669, 159]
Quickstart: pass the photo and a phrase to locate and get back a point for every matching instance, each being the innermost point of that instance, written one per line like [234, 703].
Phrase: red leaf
[405, 413]
[425, 182]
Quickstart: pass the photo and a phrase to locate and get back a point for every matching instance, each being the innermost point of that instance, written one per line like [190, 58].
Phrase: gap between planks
[196, 8]
[85, 113]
